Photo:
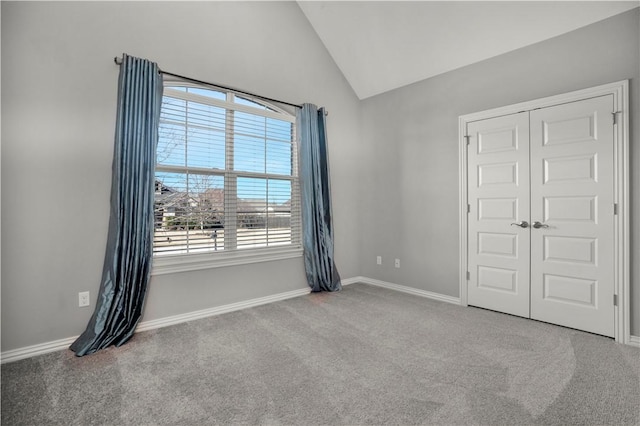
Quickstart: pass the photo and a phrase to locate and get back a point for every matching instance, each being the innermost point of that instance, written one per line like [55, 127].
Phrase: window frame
[183, 262]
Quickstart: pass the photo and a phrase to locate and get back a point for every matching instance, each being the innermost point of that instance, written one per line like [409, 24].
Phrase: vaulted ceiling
[383, 45]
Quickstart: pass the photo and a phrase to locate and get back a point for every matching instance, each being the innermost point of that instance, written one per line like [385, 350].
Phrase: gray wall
[409, 201]
[58, 112]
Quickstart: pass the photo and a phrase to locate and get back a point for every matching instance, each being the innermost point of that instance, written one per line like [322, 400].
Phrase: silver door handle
[521, 224]
[539, 225]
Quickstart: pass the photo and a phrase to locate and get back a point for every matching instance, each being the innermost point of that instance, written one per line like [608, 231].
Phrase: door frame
[620, 92]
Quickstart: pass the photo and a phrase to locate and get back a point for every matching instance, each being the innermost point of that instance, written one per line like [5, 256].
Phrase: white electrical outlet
[83, 299]
[379, 260]
[397, 263]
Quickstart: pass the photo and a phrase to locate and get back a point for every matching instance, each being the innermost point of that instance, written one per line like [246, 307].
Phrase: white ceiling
[383, 45]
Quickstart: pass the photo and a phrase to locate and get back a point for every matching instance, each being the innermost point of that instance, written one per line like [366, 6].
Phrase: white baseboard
[410, 290]
[349, 281]
[35, 350]
[633, 340]
[62, 344]
[58, 345]
[195, 315]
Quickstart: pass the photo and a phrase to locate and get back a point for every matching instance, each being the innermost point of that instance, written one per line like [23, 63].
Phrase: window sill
[183, 263]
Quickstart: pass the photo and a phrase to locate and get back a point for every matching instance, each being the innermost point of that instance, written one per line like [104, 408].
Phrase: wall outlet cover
[83, 299]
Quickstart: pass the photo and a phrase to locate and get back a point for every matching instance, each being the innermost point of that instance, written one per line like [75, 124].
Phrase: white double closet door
[541, 219]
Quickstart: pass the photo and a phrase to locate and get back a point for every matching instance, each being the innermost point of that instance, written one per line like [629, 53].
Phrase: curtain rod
[118, 61]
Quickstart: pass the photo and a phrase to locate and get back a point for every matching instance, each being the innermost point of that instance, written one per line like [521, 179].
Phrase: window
[226, 183]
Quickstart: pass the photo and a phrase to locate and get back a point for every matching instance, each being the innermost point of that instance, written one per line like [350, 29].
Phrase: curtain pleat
[128, 255]
[317, 226]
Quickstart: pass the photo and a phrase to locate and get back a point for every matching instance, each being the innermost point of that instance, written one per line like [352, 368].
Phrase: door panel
[498, 190]
[497, 208]
[571, 250]
[498, 244]
[569, 209]
[572, 194]
[569, 290]
[570, 169]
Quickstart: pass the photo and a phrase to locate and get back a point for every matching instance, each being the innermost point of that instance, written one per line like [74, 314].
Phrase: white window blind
[226, 175]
